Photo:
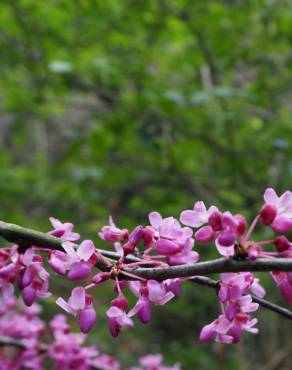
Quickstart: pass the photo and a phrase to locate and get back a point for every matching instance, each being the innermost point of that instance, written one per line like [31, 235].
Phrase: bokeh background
[124, 107]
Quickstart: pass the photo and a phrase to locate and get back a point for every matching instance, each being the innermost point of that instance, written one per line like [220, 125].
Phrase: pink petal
[79, 271]
[55, 222]
[207, 332]
[282, 224]
[192, 218]
[29, 295]
[155, 219]
[66, 307]
[77, 299]
[70, 250]
[167, 247]
[205, 234]
[271, 197]
[86, 249]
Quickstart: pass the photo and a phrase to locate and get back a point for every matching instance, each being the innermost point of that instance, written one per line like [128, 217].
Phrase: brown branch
[27, 237]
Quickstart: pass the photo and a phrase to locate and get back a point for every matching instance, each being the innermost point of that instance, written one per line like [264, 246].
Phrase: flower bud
[227, 238]
[241, 224]
[79, 271]
[267, 214]
[281, 243]
[136, 235]
[100, 277]
[87, 318]
[167, 247]
[205, 234]
[215, 221]
[121, 302]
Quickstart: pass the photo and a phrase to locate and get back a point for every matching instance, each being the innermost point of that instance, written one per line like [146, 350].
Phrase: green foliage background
[124, 107]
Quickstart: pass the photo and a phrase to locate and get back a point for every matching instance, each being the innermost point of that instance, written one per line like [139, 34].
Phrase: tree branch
[205, 281]
[23, 236]
[27, 237]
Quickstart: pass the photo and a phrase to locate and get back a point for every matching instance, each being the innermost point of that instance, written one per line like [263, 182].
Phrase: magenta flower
[198, 216]
[224, 229]
[277, 211]
[80, 305]
[168, 237]
[117, 316]
[112, 233]
[118, 319]
[284, 284]
[33, 279]
[148, 293]
[78, 263]
[63, 231]
[67, 350]
[226, 331]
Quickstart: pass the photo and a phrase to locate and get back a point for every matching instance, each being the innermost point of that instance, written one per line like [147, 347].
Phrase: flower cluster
[164, 243]
[235, 306]
[23, 331]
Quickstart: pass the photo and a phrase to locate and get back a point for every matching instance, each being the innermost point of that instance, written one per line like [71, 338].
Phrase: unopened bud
[267, 214]
[281, 243]
[215, 221]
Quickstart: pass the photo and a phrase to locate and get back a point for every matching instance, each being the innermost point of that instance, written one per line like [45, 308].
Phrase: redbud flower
[277, 211]
[63, 231]
[80, 305]
[112, 233]
[198, 216]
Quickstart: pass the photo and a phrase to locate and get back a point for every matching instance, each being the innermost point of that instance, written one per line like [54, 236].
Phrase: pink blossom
[277, 210]
[198, 216]
[63, 231]
[167, 236]
[117, 316]
[150, 292]
[284, 284]
[33, 279]
[77, 264]
[112, 233]
[226, 331]
[80, 305]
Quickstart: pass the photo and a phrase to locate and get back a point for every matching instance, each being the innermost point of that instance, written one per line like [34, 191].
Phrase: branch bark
[28, 237]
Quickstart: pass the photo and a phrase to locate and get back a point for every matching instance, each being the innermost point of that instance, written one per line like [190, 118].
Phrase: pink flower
[112, 233]
[168, 237]
[224, 228]
[117, 316]
[77, 264]
[33, 279]
[198, 216]
[277, 211]
[226, 331]
[284, 284]
[150, 292]
[63, 231]
[67, 350]
[80, 305]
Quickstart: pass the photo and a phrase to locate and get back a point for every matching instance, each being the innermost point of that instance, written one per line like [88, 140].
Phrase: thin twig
[205, 281]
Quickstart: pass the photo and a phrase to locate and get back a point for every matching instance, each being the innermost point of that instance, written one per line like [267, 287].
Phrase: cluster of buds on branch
[152, 262]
